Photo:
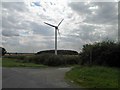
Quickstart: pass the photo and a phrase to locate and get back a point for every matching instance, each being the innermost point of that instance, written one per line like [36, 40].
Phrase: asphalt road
[34, 78]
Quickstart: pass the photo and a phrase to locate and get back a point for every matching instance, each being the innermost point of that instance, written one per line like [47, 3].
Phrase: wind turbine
[56, 29]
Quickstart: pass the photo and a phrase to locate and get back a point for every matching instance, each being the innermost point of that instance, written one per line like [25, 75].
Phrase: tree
[2, 51]
[101, 53]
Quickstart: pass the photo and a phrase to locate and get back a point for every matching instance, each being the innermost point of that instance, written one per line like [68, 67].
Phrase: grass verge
[94, 77]
[7, 62]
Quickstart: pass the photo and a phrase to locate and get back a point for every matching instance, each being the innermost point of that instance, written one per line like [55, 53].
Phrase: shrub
[54, 60]
[60, 52]
[71, 59]
[103, 53]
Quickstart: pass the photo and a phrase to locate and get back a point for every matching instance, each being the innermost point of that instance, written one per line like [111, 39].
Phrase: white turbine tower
[56, 29]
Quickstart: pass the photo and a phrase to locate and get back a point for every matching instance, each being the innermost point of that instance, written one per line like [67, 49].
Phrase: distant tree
[60, 52]
[101, 53]
[2, 51]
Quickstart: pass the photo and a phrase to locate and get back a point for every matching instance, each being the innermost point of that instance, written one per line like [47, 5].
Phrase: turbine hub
[56, 27]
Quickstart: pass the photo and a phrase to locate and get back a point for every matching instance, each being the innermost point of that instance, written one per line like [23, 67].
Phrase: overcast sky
[23, 28]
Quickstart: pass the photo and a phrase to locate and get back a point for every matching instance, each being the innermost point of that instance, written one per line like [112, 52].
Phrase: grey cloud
[40, 29]
[94, 33]
[85, 32]
[80, 7]
[14, 6]
[11, 19]
[70, 38]
[105, 14]
[10, 33]
[10, 41]
[88, 33]
[9, 23]
[11, 26]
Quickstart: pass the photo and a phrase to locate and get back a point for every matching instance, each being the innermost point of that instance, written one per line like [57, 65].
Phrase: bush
[60, 52]
[43, 58]
[54, 60]
[104, 53]
[71, 59]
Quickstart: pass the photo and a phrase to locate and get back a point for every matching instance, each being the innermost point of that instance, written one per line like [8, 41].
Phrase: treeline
[103, 53]
[106, 53]
[2, 51]
[60, 52]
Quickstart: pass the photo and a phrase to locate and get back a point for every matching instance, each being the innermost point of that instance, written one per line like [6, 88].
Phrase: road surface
[34, 78]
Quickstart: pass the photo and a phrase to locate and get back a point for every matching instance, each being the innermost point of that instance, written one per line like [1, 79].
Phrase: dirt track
[34, 78]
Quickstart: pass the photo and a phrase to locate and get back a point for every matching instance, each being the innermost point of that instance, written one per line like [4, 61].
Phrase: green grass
[7, 62]
[0, 61]
[94, 77]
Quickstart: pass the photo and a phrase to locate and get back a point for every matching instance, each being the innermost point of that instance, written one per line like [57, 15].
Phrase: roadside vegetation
[46, 59]
[104, 53]
[53, 60]
[94, 77]
[99, 67]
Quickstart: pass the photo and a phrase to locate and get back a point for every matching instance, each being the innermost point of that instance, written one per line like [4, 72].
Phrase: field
[94, 77]
[8, 62]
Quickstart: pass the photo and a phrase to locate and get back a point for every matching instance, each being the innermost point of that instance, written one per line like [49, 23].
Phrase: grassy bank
[94, 77]
[8, 62]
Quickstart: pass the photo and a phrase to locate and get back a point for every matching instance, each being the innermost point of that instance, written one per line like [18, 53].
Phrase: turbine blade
[60, 22]
[49, 24]
[58, 32]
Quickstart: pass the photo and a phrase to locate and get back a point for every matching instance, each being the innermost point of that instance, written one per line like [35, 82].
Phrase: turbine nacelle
[56, 27]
